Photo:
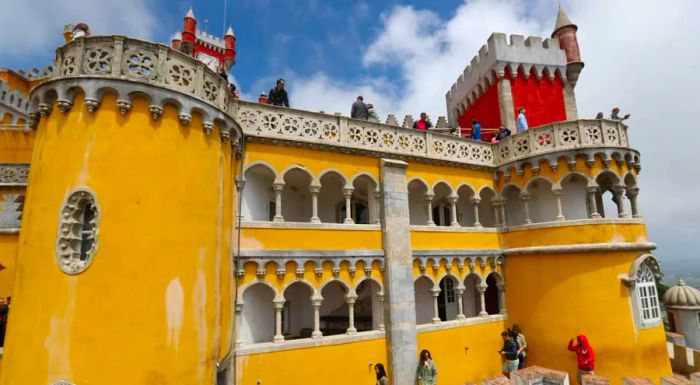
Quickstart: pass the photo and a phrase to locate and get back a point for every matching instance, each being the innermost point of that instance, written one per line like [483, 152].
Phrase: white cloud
[639, 56]
[33, 27]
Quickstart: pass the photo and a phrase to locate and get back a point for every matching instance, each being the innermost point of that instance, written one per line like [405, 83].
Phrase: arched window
[647, 296]
[77, 232]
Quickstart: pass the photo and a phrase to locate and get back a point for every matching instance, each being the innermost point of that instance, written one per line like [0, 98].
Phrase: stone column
[570, 102]
[377, 207]
[316, 304]
[504, 219]
[350, 299]
[592, 191]
[482, 300]
[278, 187]
[314, 189]
[436, 313]
[557, 197]
[239, 337]
[476, 201]
[347, 193]
[505, 103]
[525, 197]
[453, 210]
[502, 299]
[279, 305]
[400, 314]
[380, 316]
[497, 213]
[441, 214]
[460, 303]
[632, 196]
[429, 206]
[619, 192]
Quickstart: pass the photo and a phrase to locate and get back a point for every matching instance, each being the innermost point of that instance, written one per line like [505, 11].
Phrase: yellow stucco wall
[436, 239]
[342, 364]
[465, 354]
[8, 254]
[575, 234]
[310, 239]
[454, 177]
[556, 297]
[151, 300]
[16, 146]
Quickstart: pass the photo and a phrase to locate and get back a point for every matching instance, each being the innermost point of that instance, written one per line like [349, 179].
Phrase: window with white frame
[647, 296]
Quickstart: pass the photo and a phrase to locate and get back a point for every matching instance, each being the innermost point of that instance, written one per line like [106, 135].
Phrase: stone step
[637, 381]
[592, 379]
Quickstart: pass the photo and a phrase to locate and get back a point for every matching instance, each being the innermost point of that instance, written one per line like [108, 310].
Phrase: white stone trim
[308, 225]
[267, 347]
[9, 231]
[423, 328]
[581, 248]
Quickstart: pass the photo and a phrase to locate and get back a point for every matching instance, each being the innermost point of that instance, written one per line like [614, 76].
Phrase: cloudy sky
[641, 55]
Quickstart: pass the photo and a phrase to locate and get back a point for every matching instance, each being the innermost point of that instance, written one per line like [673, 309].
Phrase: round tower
[124, 267]
[230, 53]
[565, 32]
[176, 40]
[683, 308]
[189, 29]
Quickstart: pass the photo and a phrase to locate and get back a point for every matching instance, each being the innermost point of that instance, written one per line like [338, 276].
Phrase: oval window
[77, 232]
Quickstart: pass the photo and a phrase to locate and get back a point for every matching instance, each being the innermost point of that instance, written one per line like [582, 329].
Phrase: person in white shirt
[521, 125]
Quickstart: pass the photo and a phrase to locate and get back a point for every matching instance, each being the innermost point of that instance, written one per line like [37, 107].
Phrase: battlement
[36, 73]
[13, 102]
[501, 55]
[211, 41]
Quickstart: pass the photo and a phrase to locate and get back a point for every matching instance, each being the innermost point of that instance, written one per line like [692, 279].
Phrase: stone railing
[571, 135]
[118, 57]
[279, 123]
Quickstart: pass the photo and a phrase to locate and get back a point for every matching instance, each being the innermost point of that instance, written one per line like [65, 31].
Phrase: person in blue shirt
[476, 130]
[521, 125]
[502, 133]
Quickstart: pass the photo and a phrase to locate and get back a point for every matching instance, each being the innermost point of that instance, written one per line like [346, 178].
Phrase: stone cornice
[582, 248]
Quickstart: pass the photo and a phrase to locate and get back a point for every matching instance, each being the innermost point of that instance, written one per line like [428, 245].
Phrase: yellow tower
[127, 226]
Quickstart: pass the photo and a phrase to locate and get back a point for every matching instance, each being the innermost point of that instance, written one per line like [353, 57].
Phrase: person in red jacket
[585, 356]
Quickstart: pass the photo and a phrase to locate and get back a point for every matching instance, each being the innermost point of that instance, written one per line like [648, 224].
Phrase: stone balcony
[303, 128]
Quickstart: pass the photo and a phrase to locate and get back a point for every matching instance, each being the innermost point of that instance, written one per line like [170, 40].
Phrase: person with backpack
[522, 345]
[426, 371]
[509, 353]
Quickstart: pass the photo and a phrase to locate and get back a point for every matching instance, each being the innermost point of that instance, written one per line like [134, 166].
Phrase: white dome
[682, 296]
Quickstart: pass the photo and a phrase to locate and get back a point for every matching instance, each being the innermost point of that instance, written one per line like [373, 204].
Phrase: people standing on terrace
[359, 109]
[423, 123]
[373, 117]
[509, 351]
[615, 115]
[476, 130]
[600, 116]
[426, 372]
[521, 125]
[585, 356]
[278, 95]
[502, 133]
[381, 374]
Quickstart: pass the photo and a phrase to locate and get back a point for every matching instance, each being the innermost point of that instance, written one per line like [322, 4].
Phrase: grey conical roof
[563, 21]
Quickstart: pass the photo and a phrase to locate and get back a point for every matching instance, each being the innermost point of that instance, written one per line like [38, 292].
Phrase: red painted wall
[485, 111]
[543, 99]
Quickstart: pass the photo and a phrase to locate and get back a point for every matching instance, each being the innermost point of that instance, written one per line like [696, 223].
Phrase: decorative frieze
[12, 174]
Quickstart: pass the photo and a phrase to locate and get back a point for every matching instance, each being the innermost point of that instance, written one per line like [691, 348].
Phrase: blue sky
[404, 55]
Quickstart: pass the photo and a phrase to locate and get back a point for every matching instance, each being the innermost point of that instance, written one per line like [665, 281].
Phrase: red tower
[189, 31]
[508, 73]
[217, 53]
[230, 52]
[565, 32]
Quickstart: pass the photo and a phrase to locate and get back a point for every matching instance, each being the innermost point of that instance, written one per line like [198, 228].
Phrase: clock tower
[215, 52]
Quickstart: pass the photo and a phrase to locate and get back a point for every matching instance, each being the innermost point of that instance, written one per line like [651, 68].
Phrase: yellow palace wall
[556, 297]
[156, 278]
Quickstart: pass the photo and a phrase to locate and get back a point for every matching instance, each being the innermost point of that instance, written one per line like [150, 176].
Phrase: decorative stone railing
[278, 123]
[563, 136]
[141, 61]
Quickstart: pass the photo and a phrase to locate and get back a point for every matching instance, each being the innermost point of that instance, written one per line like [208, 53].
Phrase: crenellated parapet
[500, 56]
[13, 102]
[132, 68]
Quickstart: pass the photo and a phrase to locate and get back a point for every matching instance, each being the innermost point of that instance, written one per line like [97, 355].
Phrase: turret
[230, 52]
[177, 39]
[565, 31]
[189, 29]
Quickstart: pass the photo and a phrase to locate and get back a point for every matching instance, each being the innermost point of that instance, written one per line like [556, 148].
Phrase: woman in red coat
[585, 356]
